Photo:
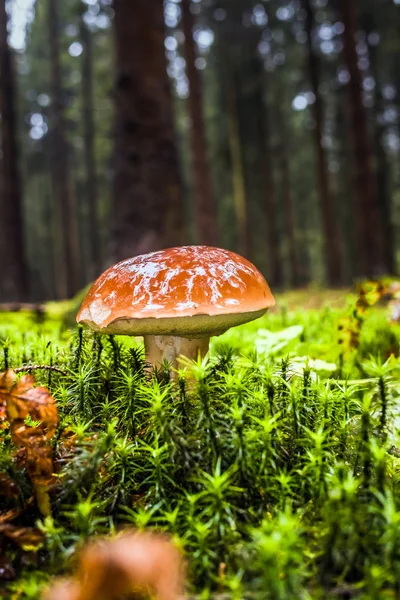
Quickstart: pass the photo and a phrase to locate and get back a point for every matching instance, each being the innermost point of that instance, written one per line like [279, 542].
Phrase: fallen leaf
[33, 418]
[13, 513]
[10, 515]
[8, 487]
[28, 538]
[23, 400]
[4, 424]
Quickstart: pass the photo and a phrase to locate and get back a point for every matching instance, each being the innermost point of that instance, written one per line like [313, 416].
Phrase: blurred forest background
[269, 127]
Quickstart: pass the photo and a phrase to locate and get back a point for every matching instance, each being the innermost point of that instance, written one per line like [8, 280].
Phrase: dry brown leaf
[28, 538]
[24, 400]
[10, 515]
[4, 424]
[123, 565]
[33, 418]
[8, 487]
[7, 379]
[67, 446]
[13, 513]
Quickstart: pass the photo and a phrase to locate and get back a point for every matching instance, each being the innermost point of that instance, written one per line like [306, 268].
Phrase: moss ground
[277, 472]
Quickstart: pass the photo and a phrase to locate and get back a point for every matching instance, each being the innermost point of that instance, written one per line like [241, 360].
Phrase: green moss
[281, 461]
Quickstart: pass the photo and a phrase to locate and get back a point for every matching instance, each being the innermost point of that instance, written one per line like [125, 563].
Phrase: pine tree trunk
[148, 211]
[382, 163]
[89, 152]
[206, 219]
[13, 267]
[343, 184]
[274, 244]
[238, 183]
[286, 193]
[62, 187]
[254, 140]
[332, 248]
[289, 217]
[385, 201]
[367, 218]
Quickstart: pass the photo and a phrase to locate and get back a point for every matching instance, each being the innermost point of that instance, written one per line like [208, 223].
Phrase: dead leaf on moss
[13, 513]
[33, 418]
[28, 538]
[24, 401]
[10, 515]
[8, 487]
[4, 424]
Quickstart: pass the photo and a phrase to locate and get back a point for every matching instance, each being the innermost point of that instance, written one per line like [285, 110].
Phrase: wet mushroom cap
[185, 291]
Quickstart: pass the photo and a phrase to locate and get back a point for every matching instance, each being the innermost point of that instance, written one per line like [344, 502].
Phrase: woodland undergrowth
[276, 467]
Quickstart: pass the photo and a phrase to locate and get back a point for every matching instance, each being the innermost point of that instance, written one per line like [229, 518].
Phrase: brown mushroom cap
[185, 291]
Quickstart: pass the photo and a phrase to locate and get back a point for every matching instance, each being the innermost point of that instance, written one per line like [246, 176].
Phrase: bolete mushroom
[124, 566]
[177, 299]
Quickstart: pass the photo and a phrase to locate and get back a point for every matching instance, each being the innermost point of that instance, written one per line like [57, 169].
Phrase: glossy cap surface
[172, 286]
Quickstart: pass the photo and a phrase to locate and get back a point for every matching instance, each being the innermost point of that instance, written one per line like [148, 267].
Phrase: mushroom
[177, 299]
[113, 568]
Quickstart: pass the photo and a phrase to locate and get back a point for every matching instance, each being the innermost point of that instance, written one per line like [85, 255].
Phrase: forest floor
[276, 470]
[313, 298]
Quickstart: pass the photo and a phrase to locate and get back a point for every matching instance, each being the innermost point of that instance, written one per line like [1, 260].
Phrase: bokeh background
[269, 127]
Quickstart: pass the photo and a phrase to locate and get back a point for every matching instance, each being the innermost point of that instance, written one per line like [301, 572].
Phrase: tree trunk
[13, 267]
[286, 193]
[206, 219]
[274, 244]
[343, 184]
[367, 217]
[289, 217]
[238, 183]
[95, 261]
[254, 139]
[332, 248]
[62, 188]
[148, 211]
[381, 161]
[382, 179]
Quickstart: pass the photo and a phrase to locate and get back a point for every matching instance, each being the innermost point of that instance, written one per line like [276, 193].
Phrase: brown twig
[37, 367]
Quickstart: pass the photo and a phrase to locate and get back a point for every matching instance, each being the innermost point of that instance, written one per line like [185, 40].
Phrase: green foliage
[275, 465]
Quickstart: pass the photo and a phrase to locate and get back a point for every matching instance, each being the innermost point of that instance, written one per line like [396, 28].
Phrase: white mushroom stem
[170, 347]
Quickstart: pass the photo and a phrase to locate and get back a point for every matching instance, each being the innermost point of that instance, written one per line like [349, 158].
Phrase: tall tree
[257, 156]
[367, 216]
[371, 22]
[89, 149]
[383, 182]
[206, 218]
[231, 140]
[13, 268]
[286, 192]
[246, 111]
[274, 243]
[332, 248]
[237, 170]
[343, 182]
[69, 267]
[148, 203]
[290, 224]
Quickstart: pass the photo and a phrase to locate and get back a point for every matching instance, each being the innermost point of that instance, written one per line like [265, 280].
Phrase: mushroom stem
[169, 347]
